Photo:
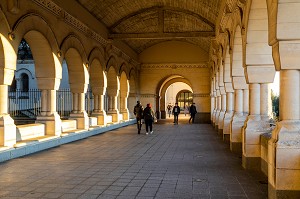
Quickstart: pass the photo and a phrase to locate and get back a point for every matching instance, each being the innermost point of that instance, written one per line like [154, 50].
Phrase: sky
[275, 84]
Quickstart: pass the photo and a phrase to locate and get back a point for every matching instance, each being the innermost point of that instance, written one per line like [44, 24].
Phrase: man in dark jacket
[138, 112]
[193, 112]
[176, 111]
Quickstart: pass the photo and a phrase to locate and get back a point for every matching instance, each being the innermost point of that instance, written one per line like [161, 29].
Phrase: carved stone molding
[78, 25]
[201, 94]
[174, 66]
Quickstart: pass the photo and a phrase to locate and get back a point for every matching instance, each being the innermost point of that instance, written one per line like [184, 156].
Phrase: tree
[275, 103]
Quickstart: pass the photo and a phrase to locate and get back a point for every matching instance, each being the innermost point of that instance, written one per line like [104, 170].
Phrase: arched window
[184, 98]
[24, 84]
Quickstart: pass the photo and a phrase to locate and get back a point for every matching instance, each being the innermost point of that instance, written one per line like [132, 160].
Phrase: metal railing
[27, 104]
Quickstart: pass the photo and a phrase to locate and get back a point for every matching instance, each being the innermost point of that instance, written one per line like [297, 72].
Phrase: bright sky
[275, 84]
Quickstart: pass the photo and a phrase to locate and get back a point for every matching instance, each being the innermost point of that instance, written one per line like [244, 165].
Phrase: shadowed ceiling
[143, 23]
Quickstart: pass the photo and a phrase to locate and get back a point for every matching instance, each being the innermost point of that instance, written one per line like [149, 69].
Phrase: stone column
[283, 147]
[213, 105]
[254, 127]
[7, 125]
[246, 102]
[236, 123]
[228, 116]
[112, 109]
[49, 115]
[222, 112]
[123, 108]
[217, 113]
[79, 113]
[99, 111]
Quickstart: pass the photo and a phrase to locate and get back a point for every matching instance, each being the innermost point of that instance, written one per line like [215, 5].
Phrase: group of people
[148, 115]
[192, 110]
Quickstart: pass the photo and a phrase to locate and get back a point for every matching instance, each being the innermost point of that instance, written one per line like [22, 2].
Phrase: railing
[28, 104]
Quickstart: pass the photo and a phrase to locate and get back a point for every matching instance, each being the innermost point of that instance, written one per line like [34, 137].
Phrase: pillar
[228, 116]
[99, 111]
[7, 125]
[237, 122]
[283, 147]
[255, 125]
[112, 109]
[222, 112]
[79, 113]
[49, 115]
[219, 102]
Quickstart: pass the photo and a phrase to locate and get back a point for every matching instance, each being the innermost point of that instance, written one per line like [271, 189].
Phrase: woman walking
[149, 118]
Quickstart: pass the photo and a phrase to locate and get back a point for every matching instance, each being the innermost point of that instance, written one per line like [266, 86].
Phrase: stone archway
[161, 105]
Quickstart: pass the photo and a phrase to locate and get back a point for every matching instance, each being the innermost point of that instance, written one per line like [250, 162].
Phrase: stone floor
[177, 161]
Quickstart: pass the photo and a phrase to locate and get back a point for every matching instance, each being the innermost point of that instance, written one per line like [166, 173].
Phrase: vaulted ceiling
[143, 23]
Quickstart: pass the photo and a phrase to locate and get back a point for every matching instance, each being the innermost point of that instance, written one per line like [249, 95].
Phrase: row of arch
[244, 57]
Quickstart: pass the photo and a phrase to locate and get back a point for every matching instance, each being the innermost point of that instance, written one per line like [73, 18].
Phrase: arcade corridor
[184, 161]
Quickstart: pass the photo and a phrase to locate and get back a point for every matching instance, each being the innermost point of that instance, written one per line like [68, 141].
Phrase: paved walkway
[177, 161]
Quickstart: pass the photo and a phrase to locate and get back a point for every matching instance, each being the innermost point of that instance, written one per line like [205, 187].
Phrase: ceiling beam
[175, 35]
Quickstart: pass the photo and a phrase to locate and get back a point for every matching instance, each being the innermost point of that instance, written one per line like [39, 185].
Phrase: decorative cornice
[78, 25]
[201, 94]
[148, 96]
[174, 66]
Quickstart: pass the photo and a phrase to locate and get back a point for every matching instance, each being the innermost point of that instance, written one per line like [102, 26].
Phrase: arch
[258, 53]
[161, 90]
[124, 85]
[98, 79]
[8, 54]
[33, 21]
[111, 62]
[72, 41]
[132, 97]
[97, 53]
[44, 47]
[237, 55]
[227, 66]
[113, 84]
[76, 59]
[124, 68]
[46, 65]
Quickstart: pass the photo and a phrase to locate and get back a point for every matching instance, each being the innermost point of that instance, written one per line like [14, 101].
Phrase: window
[24, 82]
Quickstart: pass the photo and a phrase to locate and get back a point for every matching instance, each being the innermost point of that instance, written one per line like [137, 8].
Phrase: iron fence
[27, 104]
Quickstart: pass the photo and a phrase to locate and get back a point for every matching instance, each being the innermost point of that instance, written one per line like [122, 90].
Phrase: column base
[82, 120]
[125, 114]
[100, 117]
[52, 124]
[283, 160]
[221, 122]
[236, 124]
[115, 115]
[226, 126]
[282, 194]
[236, 147]
[8, 135]
[251, 163]
[251, 133]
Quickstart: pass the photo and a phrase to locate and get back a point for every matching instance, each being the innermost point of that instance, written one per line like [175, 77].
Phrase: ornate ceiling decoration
[143, 23]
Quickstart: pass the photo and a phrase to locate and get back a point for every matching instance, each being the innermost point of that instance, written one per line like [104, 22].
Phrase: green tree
[275, 103]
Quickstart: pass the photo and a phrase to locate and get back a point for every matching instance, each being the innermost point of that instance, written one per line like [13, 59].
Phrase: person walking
[138, 112]
[149, 118]
[176, 111]
[169, 107]
[193, 112]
